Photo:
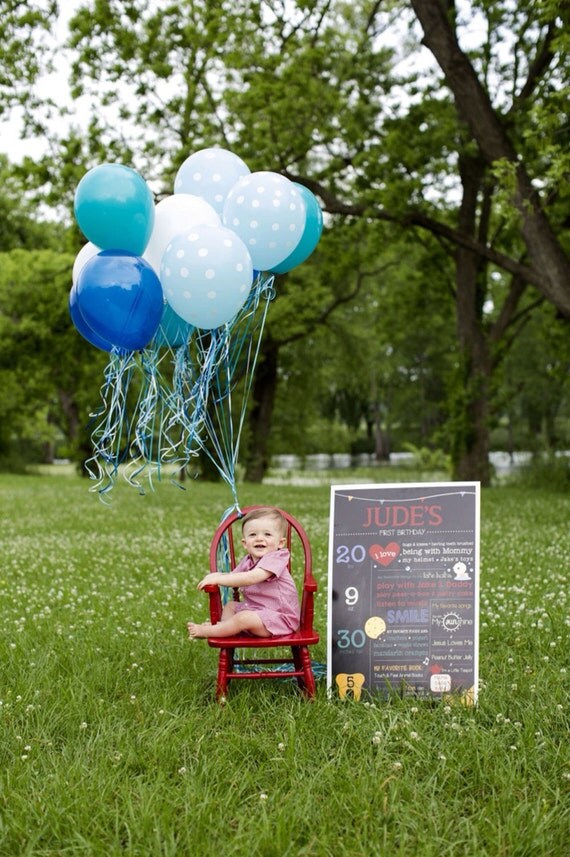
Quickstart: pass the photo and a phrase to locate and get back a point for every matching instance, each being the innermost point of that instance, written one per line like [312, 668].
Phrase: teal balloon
[311, 233]
[172, 331]
[114, 208]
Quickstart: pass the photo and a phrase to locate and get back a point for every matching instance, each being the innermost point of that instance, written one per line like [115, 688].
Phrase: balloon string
[190, 411]
[107, 437]
[224, 432]
[148, 405]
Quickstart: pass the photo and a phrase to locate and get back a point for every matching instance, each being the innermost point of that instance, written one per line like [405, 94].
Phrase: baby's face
[262, 536]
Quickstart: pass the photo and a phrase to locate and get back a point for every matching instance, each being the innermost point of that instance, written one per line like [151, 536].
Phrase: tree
[311, 90]
[26, 55]
[50, 375]
[19, 223]
[498, 139]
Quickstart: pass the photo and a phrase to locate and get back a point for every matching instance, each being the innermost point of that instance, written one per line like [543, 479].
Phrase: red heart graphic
[384, 555]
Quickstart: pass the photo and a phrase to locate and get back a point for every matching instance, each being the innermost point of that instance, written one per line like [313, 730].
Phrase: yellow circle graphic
[374, 627]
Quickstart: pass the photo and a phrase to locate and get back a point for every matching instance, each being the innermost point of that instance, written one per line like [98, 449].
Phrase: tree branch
[333, 205]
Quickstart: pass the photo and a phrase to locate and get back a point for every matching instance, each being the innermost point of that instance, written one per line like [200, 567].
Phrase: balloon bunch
[189, 279]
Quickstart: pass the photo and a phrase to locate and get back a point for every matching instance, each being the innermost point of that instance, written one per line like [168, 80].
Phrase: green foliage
[429, 460]
[25, 54]
[20, 226]
[335, 94]
[544, 472]
[50, 377]
[112, 742]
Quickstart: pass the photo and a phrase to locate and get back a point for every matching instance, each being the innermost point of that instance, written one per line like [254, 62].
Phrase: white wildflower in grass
[414, 736]
[281, 746]
[376, 738]
[397, 766]
[182, 770]
[263, 796]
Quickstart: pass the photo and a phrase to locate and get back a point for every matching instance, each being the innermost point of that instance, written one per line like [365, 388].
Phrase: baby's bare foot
[198, 630]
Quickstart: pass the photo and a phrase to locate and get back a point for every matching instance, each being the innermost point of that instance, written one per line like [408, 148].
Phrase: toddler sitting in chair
[271, 604]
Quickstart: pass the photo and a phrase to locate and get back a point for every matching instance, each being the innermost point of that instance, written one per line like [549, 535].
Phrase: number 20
[345, 554]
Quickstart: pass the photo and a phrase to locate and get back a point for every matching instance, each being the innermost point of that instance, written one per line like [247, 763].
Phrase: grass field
[111, 742]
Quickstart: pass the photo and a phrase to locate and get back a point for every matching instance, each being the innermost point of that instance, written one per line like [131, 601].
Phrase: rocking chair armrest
[215, 599]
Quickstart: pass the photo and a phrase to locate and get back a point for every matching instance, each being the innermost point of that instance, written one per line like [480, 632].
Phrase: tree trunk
[381, 437]
[381, 442]
[470, 443]
[545, 251]
[261, 417]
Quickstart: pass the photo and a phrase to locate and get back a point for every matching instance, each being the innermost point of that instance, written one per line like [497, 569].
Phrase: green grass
[111, 742]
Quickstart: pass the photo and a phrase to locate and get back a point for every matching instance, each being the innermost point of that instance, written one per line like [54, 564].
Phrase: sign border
[360, 486]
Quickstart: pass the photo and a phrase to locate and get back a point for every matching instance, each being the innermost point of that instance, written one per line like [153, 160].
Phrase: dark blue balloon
[81, 325]
[120, 298]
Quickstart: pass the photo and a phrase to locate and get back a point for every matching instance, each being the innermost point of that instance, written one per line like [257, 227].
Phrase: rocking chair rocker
[298, 663]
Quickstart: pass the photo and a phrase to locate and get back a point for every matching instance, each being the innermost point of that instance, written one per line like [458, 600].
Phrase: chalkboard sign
[403, 603]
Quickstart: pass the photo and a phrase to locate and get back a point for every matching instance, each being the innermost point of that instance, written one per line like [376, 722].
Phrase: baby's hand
[208, 580]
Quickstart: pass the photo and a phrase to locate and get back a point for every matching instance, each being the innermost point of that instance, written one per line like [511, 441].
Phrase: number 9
[351, 595]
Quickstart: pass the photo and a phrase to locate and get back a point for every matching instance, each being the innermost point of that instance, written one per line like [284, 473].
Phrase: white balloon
[210, 174]
[87, 252]
[268, 213]
[206, 275]
[174, 215]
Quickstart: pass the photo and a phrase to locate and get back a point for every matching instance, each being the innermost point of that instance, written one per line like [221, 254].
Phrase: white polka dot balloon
[206, 275]
[174, 215]
[268, 213]
[210, 174]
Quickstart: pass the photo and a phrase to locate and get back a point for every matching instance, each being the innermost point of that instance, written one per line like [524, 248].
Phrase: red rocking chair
[298, 664]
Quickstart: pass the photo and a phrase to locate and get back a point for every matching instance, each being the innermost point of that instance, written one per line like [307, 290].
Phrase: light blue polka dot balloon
[268, 213]
[210, 174]
[206, 275]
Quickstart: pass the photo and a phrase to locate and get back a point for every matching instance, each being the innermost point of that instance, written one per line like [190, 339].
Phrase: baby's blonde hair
[266, 512]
